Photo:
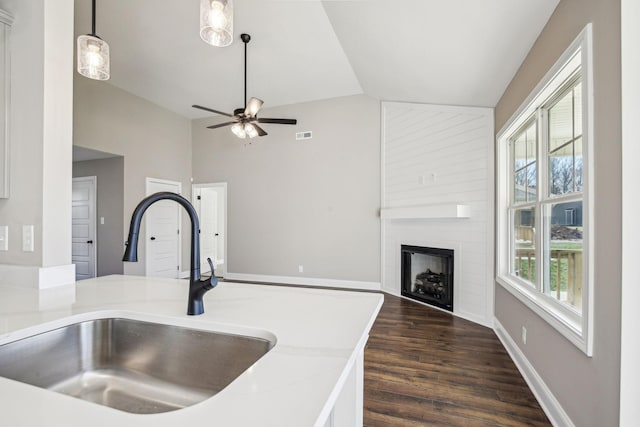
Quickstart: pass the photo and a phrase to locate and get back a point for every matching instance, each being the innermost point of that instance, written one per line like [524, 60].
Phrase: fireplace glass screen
[427, 275]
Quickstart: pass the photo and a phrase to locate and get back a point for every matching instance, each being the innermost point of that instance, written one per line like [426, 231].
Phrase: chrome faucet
[197, 287]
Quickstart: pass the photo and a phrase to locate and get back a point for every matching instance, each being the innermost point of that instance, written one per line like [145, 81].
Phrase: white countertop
[318, 333]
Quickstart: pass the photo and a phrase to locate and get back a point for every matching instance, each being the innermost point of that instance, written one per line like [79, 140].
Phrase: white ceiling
[458, 52]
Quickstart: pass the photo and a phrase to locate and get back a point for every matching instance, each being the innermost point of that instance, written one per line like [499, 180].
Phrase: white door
[207, 205]
[162, 231]
[210, 203]
[83, 227]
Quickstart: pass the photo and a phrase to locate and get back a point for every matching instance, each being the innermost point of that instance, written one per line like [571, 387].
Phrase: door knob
[90, 242]
[217, 234]
[153, 238]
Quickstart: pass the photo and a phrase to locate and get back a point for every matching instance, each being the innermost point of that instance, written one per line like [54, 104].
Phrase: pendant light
[216, 22]
[93, 52]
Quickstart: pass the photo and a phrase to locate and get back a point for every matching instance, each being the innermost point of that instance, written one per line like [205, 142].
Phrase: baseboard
[543, 394]
[32, 276]
[305, 281]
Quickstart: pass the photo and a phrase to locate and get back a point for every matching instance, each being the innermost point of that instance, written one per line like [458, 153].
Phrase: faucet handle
[213, 280]
[211, 266]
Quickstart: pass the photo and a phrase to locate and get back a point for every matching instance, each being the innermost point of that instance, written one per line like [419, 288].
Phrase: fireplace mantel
[431, 211]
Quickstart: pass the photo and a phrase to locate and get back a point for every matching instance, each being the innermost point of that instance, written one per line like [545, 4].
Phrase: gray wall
[312, 202]
[587, 388]
[154, 142]
[26, 125]
[40, 131]
[109, 205]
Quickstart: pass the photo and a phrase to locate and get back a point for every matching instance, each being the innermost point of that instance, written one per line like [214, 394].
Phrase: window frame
[575, 326]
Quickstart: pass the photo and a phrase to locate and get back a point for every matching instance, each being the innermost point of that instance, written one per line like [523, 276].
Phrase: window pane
[523, 147]
[577, 110]
[577, 149]
[520, 186]
[519, 152]
[561, 122]
[561, 170]
[563, 253]
[524, 186]
[566, 169]
[531, 182]
[531, 143]
[523, 263]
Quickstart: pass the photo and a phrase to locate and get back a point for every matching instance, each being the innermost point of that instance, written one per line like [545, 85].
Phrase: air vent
[304, 135]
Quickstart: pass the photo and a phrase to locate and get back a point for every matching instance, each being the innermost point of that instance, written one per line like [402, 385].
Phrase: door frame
[93, 180]
[630, 316]
[223, 186]
[147, 237]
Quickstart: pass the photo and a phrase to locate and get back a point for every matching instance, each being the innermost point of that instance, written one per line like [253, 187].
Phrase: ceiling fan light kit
[245, 120]
[250, 130]
[216, 22]
[93, 52]
[238, 130]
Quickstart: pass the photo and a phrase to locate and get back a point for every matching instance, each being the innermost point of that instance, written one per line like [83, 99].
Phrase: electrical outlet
[300, 269]
[524, 335]
[4, 237]
[27, 238]
[428, 179]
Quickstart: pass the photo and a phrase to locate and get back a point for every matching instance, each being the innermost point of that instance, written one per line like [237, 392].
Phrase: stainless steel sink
[130, 365]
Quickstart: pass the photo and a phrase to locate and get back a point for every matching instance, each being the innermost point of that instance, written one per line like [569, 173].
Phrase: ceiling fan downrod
[246, 38]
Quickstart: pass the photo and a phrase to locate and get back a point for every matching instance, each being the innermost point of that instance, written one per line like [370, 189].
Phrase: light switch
[4, 237]
[27, 238]
[101, 220]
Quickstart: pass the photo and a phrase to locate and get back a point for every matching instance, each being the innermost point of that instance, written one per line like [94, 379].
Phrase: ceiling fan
[245, 120]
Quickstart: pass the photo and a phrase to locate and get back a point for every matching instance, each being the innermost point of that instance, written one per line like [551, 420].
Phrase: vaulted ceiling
[457, 52]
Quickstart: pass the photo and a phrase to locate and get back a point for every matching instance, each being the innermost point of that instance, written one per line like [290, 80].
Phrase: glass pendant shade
[93, 57]
[238, 130]
[216, 22]
[250, 130]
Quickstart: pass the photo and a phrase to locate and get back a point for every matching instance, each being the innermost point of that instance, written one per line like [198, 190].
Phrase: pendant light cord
[93, 18]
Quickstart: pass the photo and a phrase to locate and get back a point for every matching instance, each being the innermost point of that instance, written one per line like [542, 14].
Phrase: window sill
[550, 311]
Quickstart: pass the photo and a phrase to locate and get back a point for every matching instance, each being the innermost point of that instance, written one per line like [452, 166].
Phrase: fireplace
[427, 275]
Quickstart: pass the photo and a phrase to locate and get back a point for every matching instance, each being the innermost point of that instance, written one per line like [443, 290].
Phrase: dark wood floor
[425, 367]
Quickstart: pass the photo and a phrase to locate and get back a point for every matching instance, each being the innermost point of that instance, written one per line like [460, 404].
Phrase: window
[569, 216]
[543, 210]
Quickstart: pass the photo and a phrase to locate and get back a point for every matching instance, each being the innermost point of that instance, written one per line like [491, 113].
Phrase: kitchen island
[311, 377]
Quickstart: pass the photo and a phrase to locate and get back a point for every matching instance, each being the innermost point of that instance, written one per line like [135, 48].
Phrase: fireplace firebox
[427, 275]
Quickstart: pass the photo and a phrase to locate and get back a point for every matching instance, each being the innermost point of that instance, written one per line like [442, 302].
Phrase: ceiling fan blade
[253, 106]
[211, 110]
[261, 132]
[220, 125]
[278, 121]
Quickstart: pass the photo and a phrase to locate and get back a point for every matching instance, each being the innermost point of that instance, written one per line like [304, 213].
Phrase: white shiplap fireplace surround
[437, 191]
